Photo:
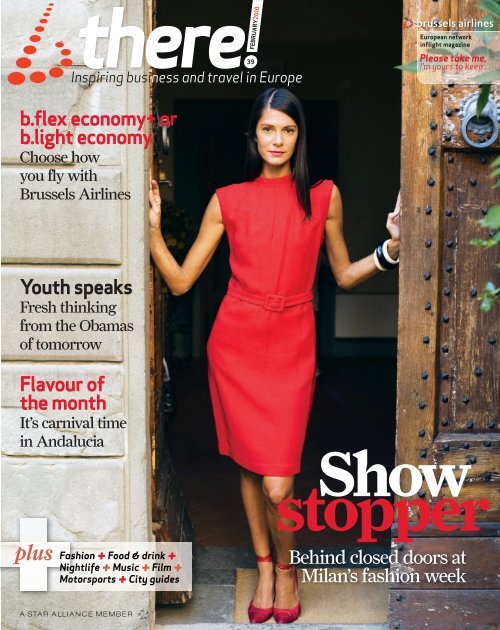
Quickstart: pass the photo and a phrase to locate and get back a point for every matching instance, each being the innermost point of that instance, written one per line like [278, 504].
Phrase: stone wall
[86, 494]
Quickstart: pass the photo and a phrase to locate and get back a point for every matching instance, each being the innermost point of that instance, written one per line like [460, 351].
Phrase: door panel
[447, 400]
[447, 390]
[467, 355]
[468, 392]
[171, 520]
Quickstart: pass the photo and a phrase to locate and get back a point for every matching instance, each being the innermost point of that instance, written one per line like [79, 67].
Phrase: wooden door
[171, 520]
[447, 397]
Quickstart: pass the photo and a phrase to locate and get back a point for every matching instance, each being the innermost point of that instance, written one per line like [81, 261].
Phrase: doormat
[323, 603]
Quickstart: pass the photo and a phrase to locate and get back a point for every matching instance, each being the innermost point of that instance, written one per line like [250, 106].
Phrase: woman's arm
[349, 274]
[180, 278]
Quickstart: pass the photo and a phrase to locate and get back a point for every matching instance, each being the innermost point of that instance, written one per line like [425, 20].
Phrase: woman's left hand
[392, 224]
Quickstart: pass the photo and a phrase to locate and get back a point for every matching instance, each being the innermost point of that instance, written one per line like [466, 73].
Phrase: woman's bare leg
[255, 508]
[275, 490]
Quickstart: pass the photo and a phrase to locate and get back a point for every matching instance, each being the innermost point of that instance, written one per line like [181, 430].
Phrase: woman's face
[276, 134]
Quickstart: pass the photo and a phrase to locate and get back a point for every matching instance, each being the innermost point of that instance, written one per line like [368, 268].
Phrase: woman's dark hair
[284, 101]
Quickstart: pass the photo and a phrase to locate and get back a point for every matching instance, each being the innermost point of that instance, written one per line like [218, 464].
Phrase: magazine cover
[250, 314]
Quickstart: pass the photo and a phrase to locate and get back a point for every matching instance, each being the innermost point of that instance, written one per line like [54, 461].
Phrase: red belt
[272, 302]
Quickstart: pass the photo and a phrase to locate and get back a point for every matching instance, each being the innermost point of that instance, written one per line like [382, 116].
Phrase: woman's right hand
[154, 205]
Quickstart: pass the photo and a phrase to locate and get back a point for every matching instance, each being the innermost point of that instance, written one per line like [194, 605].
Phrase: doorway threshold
[214, 594]
[302, 626]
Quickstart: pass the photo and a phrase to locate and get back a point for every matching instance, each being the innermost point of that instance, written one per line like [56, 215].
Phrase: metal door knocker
[481, 131]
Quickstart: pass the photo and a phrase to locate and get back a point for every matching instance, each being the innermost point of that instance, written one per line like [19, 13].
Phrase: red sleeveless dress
[262, 347]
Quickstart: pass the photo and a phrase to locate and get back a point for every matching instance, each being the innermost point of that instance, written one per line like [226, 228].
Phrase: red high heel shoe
[288, 615]
[259, 615]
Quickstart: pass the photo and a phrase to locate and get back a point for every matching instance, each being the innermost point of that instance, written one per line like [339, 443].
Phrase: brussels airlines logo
[25, 61]
[177, 48]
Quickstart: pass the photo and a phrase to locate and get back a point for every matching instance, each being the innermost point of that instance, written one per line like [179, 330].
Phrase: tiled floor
[354, 409]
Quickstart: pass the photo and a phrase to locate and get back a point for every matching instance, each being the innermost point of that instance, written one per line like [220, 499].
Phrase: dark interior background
[346, 53]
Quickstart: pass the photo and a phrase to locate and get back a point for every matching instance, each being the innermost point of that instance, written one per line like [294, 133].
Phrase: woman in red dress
[261, 350]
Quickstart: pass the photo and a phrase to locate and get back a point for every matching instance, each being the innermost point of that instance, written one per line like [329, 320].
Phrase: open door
[170, 518]
[447, 397]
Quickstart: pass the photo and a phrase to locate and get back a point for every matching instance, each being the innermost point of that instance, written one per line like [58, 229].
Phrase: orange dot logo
[37, 77]
[18, 77]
